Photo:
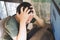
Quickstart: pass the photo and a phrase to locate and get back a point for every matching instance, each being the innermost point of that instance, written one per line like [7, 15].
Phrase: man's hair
[24, 5]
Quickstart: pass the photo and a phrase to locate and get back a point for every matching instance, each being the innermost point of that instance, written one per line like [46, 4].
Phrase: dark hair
[24, 5]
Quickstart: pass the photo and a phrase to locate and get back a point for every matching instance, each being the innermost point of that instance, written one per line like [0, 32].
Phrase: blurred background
[42, 7]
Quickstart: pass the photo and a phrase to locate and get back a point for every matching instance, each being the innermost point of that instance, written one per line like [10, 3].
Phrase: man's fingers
[21, 9]
[30, 14]
[26, 9]
[31, 6]
[33, 9]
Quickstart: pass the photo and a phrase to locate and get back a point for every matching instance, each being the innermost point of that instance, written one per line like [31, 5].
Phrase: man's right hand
[23, 16]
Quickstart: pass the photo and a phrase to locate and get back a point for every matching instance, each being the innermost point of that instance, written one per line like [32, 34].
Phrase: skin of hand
[39, 21]
[23, 16]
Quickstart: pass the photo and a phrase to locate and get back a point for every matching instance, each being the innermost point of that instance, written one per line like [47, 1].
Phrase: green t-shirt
[11, 26]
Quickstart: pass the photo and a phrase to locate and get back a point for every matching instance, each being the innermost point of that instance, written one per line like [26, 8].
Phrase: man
[15, 26]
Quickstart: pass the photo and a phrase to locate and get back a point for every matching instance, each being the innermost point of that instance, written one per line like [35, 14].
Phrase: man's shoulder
[2, 26]
[11, 26]
[9, 19]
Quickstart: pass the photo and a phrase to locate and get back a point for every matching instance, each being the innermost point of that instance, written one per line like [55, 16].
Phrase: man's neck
[17, 18]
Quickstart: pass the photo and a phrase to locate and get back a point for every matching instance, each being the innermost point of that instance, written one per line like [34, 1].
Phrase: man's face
[30, 18]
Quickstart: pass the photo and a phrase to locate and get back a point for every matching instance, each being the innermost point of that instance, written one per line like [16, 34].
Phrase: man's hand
[34, 12]
[39, 21]
[23, 16]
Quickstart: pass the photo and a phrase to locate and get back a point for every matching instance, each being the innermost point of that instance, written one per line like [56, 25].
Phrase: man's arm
[22, 35]
[23, 17]
[39, 21]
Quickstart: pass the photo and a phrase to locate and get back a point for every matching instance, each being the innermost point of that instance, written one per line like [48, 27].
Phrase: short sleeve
[11, 27]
